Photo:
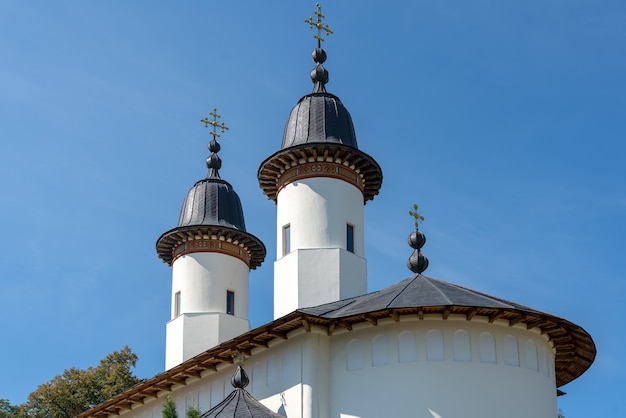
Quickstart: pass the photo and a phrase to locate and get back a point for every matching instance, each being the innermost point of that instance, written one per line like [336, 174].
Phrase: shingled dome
[319, 118]
[211, 211]
[212, 201]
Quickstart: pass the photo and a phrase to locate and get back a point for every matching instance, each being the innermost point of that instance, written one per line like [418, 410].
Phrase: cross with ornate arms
[214, 123]
[318, 24]
[416, 215]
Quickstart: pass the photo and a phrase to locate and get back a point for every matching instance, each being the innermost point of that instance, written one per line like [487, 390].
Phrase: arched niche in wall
[355, 354]
[487, 348]
[289, 364]
[462, 346]
[407, 347]
[380, 350]
[258, 376]
[435, 350]
[511, 351]
[532, 361]
[217, 392]
[544, 362]
[273, 370]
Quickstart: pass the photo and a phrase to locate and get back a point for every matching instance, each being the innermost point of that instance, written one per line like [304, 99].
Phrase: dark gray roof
[416, 291]
[319, 118]
[240, 404]
[211, 207]
[212, 201]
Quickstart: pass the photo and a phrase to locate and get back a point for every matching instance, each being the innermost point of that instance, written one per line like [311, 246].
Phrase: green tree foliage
[169, 408]
[10, 411]
[561, 415]
[75, 390]
[193, 412]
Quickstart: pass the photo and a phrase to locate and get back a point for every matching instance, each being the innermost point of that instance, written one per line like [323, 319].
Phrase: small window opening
[286, 239]
[177, 302]
[350, 238]
[230, 302]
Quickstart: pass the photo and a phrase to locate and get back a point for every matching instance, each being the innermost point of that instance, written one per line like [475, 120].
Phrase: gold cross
[416, 215]
[318, 24]
[214, 123]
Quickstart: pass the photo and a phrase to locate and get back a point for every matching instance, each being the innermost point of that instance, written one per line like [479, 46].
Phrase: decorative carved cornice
[212, 246]
[321, 169]
[320, 160]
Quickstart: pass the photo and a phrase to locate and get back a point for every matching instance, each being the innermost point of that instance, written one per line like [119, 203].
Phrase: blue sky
[504, 120]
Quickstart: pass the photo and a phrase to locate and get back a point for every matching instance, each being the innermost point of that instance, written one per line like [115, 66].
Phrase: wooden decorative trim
[211, 246]
[320, 169]
[320, 160]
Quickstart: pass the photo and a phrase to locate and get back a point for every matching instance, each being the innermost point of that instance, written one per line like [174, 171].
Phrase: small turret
[211, 255]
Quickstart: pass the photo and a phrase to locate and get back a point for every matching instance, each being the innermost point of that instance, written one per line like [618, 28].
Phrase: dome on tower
[319, 118]
[211, 218]
[319, 140]
[212, 201]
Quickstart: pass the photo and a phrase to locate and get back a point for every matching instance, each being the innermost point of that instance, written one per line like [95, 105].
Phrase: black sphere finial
[417, 262]
[213, 162]
[319, 75]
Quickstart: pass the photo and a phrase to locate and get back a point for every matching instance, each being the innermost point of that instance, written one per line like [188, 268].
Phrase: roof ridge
[409, 282]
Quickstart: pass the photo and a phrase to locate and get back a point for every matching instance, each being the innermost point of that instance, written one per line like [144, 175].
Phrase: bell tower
[211, 255]
[320, 181]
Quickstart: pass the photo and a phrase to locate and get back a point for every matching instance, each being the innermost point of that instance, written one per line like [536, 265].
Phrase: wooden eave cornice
[574, 348]
[272, 168]
[176, 236]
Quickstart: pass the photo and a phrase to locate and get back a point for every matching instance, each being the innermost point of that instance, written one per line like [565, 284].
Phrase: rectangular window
[286, 239]
[176, 304]
[350, 238]
[230, 302]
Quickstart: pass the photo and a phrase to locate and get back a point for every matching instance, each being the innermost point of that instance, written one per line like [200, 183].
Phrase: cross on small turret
[214, 123]
[416, 215]
[318, 25]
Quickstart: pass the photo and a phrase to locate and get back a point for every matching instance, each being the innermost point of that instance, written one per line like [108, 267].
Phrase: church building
[421, 348]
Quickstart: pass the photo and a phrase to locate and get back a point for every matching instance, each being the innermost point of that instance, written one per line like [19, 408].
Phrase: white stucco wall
[318, 268]
[203, 280]
[427, 368]
[434, 368]
[318, 210]
[311, 277]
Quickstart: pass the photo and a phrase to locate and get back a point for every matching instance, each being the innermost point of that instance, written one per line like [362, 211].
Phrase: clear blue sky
[504, 120]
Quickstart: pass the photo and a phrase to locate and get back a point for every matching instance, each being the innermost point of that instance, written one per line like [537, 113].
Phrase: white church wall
[203, 279]
[318, 210]
[317, 267]
[454, 354]
[385, 370]
[199, 316]
[193, 333]
[311, 277]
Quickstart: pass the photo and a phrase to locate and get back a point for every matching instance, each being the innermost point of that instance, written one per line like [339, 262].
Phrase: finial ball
[214, 146]
[319, 55]
[416, 239]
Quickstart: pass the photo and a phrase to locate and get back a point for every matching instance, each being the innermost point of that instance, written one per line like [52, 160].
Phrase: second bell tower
[320, 182]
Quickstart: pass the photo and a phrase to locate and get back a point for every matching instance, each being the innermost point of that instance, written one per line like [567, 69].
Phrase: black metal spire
[319, 75]
[213, 162]
[417, 262]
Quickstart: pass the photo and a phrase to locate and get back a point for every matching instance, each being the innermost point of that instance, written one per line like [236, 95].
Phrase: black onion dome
[213, 202]
[319, 118]
[212, 210]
